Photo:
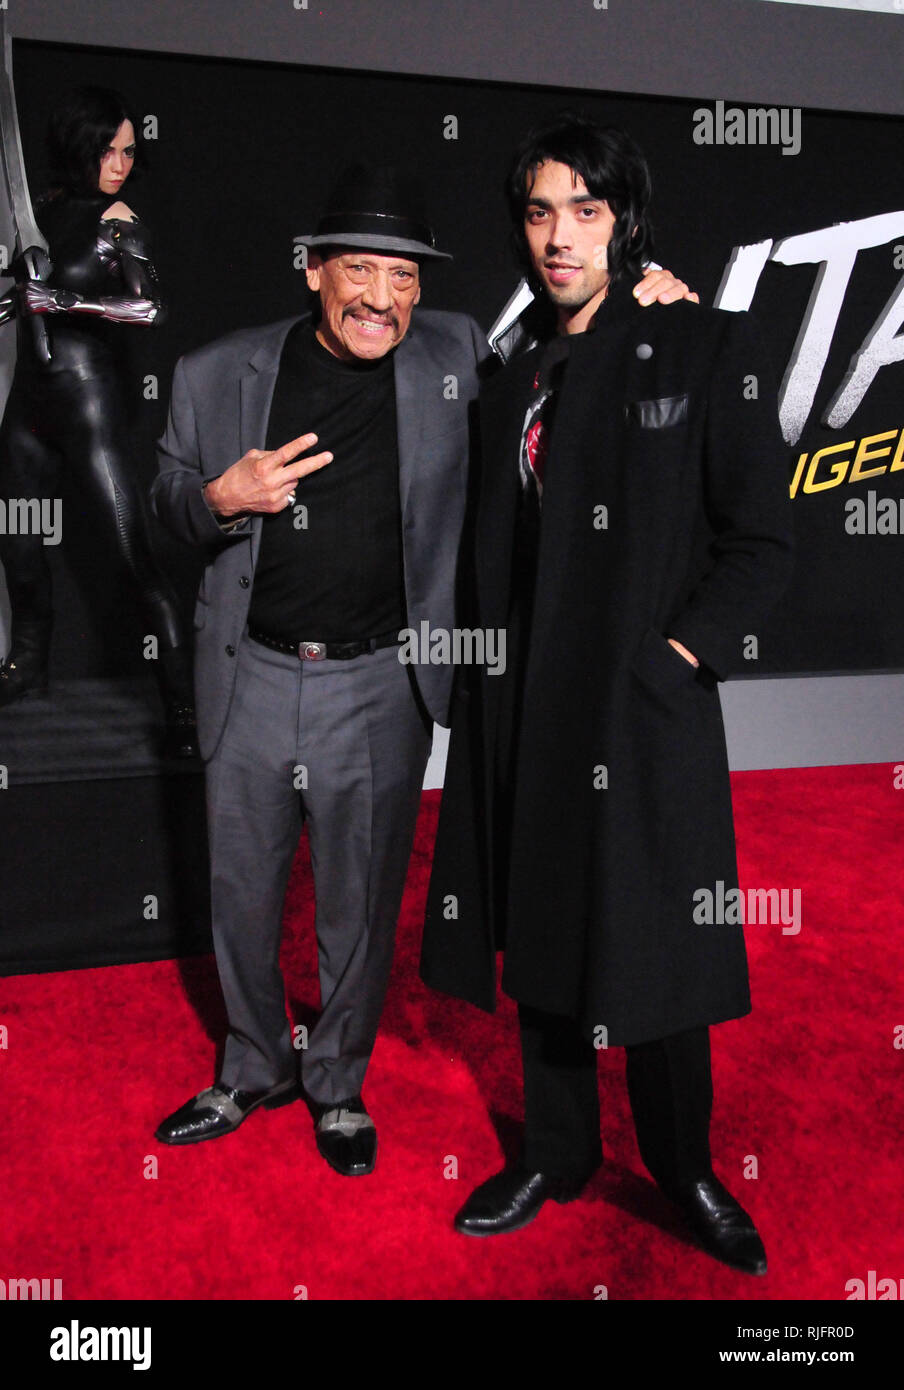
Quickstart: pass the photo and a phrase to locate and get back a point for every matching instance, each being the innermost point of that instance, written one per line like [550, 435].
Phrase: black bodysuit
[75, 408]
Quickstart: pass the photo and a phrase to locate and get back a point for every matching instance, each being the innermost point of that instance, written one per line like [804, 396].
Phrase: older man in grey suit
[316, 563]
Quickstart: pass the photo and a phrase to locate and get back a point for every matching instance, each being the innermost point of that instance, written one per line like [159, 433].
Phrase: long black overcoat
[666, 419]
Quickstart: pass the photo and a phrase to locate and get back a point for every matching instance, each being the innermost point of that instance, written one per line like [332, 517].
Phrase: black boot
[24, 670]
[180, 739]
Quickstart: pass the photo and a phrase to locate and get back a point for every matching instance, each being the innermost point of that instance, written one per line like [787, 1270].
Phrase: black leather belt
[320, 651]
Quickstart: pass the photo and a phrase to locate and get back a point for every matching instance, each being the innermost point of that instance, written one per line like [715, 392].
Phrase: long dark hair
[78, 133]
[612, 168]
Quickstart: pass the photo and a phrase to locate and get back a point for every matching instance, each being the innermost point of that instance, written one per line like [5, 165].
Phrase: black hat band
[377, 223]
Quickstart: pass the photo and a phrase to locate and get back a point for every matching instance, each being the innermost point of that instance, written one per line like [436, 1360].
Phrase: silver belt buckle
[312, 651]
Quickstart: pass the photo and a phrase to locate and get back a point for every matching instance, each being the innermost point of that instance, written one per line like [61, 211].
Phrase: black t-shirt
[330, 568]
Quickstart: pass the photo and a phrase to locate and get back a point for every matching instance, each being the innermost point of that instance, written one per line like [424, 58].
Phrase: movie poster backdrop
[795, 215]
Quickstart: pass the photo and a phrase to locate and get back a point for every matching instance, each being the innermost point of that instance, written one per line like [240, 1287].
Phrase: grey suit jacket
[219, 409]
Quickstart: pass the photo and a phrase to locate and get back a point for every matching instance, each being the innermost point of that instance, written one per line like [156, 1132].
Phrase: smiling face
[117, 159]
[568, 232]
[366, 301]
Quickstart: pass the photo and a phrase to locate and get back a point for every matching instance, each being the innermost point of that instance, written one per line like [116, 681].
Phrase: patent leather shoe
[219, 1110]
[511, 1199]
[346, 1136]
[721, 1225]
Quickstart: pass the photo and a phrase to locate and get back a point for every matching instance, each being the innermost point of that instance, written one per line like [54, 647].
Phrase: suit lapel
[256, 389]
[412, 397]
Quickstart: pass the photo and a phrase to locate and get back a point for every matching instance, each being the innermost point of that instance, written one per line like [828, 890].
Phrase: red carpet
[810, 1084]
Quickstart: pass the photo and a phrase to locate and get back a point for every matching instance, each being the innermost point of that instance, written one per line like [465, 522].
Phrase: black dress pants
[670, 1089]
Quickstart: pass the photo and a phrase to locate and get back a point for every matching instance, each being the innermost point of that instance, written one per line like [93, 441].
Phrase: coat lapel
[503, 404]
[505, 400]
[502, 416]
[583, 468]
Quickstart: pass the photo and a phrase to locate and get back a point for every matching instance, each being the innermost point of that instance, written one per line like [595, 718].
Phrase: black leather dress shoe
[220, 1110]
[346, 1136]
[721, 1225]
[511, 1199]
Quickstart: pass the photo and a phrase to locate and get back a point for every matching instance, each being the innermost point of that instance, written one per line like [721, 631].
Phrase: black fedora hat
[378, 209]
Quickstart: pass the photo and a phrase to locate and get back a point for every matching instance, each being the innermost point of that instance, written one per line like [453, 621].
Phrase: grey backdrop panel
[741, 50]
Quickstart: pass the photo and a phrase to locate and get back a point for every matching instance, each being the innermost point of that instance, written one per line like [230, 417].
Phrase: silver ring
[290, 499]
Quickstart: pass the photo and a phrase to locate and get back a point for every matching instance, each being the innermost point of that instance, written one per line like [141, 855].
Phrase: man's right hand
[264, 480]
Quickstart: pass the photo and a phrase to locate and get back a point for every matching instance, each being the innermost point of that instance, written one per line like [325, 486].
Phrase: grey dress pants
[342, 746]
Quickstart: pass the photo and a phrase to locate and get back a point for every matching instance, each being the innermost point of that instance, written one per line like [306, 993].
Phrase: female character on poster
[73, 408]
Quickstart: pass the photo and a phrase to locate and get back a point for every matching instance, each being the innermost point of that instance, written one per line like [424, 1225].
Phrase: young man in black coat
[631, 532]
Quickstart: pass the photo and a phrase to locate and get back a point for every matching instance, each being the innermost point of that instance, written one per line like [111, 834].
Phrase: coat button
[230, 649]
[644, 351]
[244, 581]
